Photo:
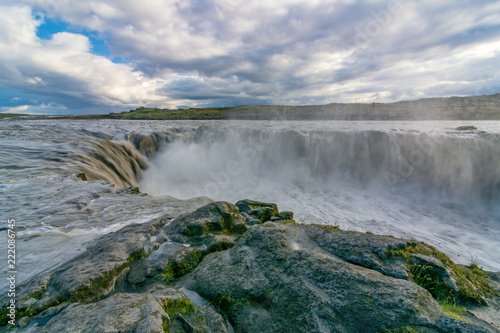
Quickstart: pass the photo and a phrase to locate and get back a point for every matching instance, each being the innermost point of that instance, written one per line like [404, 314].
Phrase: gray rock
[495, 276]
[286, 215]
[277, 274]
[254, 222]
[214, 227]
[258, 210]
[93, 274]
[466, 128]
[250, 220]
[278, 279]
[274, 277]
[217, 218]
[446, 324]
[246, 216]
[26, 304]
[126, 312]
[367, 250]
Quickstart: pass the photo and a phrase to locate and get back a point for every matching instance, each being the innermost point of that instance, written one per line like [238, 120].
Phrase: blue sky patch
[50, 27]
[121, 60]
[98, 42]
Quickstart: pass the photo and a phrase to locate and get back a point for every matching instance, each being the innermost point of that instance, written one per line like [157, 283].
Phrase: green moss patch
[137, 255]
[82, 176]
[3, 316]
[287, 222]
[134, 190]
[224, 301]
[226, 223]
[474, 268]
[168, 273]
[453, 310]
[184, 316]
[98, 284]
[219, 246]
[330, 227]
[471, 282]
[424, 276]
[179, 306]
[176, 269]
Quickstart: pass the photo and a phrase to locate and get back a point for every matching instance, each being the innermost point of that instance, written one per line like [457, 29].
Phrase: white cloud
[64, 65]
[36, 81]
[191, 52]
[35, 109]
[16, 109]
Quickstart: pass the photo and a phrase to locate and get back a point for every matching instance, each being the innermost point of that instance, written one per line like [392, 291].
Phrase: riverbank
[257, 268]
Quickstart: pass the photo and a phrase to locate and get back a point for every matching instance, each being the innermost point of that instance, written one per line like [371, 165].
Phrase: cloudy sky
[73, 56]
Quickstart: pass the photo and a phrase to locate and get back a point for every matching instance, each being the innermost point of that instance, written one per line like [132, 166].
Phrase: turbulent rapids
[424, 180]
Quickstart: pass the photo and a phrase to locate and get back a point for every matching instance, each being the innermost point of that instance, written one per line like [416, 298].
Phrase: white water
[421, 180]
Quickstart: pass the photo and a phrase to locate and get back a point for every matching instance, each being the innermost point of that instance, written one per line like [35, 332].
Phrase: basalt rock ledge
[249, 268]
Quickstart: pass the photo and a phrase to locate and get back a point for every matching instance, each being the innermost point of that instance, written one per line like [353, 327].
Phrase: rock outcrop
[250, 268]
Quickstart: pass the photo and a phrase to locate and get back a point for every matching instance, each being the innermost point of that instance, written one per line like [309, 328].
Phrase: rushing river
[421, 180]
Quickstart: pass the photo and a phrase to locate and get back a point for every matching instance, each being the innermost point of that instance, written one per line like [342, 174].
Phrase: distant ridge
[451, 108]
[485, 107]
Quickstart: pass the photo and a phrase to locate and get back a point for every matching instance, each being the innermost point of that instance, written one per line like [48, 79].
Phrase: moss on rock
[330, 227]
[184, 317]
[82, 176]
[95, 286]
[262, 211]
[137, 255]
[453, 310]
[471, 282]
[134, 190]
[178, 306]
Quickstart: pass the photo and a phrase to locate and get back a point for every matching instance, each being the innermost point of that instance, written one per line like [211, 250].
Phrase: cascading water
[422, 180]
[115, 163]
[466, 167]
[436, 184]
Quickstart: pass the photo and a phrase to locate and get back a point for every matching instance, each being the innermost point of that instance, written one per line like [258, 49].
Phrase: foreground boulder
[277, 279]
[191, 236]
[156, 310]
[209, 271]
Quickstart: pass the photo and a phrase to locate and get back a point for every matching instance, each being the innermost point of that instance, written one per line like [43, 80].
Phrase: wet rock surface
[466, 128]
[250, 267]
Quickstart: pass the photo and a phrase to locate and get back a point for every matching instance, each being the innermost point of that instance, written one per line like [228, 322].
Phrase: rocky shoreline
[249, 268]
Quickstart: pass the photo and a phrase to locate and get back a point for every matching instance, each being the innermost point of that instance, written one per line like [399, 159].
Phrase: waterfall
[451, 164]
[118, 163]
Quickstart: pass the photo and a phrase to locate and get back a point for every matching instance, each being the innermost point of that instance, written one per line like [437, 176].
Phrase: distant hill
[450, 108]
[11, 115]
